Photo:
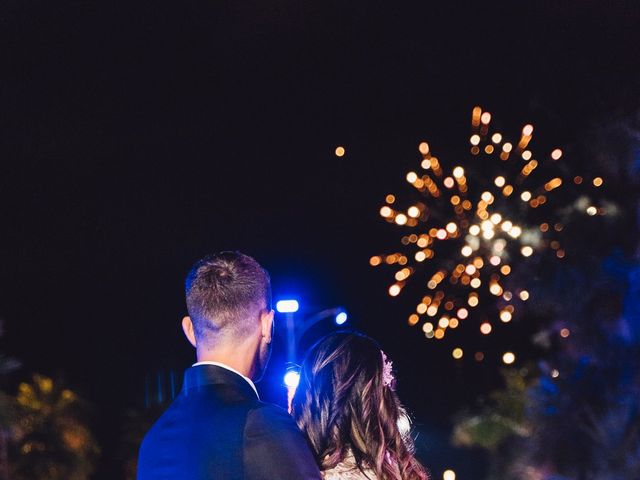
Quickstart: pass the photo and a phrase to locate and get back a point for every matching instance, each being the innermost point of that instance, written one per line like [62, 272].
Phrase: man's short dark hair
[225, 294]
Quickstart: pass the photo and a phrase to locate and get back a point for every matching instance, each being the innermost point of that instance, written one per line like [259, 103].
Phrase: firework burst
[472, 223]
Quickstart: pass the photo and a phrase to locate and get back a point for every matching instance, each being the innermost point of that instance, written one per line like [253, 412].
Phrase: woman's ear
[187, 328]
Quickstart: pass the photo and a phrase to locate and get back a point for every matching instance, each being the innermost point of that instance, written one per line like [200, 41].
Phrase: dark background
[138, 136]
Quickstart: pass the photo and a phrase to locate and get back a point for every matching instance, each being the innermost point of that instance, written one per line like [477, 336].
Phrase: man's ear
[187, 328]
[266, 321]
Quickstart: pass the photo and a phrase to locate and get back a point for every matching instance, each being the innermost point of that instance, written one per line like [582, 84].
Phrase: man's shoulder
[203, 412]
[274, 447]
[264, 416]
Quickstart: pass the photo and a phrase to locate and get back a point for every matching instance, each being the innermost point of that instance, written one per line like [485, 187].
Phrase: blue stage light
[287, 306]
[291, 379]
[341, 318]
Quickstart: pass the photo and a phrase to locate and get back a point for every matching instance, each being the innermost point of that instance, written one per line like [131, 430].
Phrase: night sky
[136, 137]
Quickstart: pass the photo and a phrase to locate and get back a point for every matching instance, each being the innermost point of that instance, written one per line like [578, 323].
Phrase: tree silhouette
[51, 439]
[7, 410]
[578, 417]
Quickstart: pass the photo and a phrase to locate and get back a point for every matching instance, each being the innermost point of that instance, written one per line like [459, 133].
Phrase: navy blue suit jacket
[217, 429]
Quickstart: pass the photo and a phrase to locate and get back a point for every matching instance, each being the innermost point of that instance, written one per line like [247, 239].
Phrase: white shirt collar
[222, 365]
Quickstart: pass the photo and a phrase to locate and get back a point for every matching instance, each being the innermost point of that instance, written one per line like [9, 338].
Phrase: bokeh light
[292, 379]
[508, 358]
[471, 223]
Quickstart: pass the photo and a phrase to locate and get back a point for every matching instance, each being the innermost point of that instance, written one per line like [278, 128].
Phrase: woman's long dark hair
[342, 404]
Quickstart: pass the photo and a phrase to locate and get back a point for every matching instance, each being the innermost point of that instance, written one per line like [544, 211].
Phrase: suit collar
[224, 365]
[204, 374]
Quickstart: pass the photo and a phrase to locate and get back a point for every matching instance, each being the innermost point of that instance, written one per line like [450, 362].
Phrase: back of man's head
[226, 292]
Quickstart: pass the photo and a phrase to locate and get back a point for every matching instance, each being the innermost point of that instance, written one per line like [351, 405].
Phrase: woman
[346, 406]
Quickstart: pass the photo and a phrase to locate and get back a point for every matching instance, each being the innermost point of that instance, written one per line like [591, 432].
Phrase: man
[217, 428]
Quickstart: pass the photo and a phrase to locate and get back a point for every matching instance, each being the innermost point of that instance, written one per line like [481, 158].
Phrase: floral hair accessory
[387, 371]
